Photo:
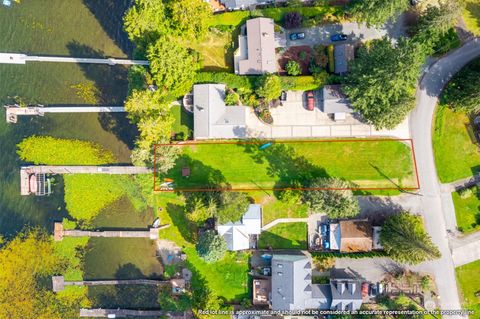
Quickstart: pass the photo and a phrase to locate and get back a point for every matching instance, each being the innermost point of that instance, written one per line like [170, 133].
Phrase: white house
[242, 235]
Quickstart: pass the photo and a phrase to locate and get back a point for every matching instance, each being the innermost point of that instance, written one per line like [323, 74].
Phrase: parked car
[380, 288]
[364, 289]
[297, 36]
[338, 37]
[373, 290]
[283, 96]
[310, 101]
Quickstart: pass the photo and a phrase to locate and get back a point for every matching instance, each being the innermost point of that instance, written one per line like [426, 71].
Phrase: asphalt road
[437, 209]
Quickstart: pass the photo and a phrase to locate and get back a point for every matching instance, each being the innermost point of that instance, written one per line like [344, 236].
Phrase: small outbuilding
[343, 54]
[335, 102]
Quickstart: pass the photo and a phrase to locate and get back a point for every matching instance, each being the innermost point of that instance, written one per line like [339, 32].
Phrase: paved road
[437, 209]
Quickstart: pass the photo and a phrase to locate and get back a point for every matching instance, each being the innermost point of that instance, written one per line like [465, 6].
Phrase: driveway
[437, 209]
[293, 120]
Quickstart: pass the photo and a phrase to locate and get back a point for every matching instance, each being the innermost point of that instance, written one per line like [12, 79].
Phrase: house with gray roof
[292, 287]
[242, 4]
[212, 118]
[343, 54]
[241, 235]
[334, 101]
[256, 48]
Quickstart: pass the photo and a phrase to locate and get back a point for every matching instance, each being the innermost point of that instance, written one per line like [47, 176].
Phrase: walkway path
[13, 111]
[284, 220]
[437, 209]
[461, 183]
[18, 58]
[124, 313]
[59, 283]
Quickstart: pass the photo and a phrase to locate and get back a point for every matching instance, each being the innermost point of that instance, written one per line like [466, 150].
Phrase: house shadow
[109, 13]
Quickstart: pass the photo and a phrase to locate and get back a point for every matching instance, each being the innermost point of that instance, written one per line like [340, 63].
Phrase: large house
[242, 235]
[292, 287]
[212, 118]
[256, 48]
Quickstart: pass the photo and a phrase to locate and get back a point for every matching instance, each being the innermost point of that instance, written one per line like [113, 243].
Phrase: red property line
[257, 142]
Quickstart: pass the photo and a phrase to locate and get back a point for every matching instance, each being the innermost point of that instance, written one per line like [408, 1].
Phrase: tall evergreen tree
[377, 12]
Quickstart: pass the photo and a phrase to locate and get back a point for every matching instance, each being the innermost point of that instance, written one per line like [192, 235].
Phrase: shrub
[211, 247]
[233, 81]
[269, 87]
[56, 151]
[465, 193]
[331, 58]
[231, 98]
[302, 55]
[323, 263]
[447, 42]
[301, 83]
[293, 20]
[293, 68]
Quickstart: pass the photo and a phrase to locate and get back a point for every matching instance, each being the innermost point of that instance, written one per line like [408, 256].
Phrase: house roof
[237, 235]
[356, 236]
[260, 48]
[241, 4]
[343, 53]
[334, 101]
[346, 294]
[212, 118]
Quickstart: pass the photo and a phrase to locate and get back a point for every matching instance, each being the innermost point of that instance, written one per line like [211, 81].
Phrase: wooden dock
[127, 313]
[26, 172]
[12, 112]
[152, 233]
[59, 282]
[19, 58]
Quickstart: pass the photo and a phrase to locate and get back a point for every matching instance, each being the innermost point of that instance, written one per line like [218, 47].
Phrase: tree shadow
[125, 296]
[111, 80]
[109, 13]
[474, 8]
[179, 219]
[119, 125]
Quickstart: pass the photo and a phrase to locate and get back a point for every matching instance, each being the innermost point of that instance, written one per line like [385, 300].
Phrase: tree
[382, 81]
[462, 93]
[231, 98]
[332, 198]
[200, 209]
[377, 12]
[190, 18]
[293, 68]
[146, 20]
[28, 261]
[404, 238]
[269, 87]
[211, 247]
[145, 103]
[172, 67]
[231, 207]
[293, 19]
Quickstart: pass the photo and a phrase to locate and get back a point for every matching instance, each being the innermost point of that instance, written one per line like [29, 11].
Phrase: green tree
[28, 261]
[332, 198]
[382, 81]
[146, 20]
[462, 92]
[172, 66]
[143, 103]
[404, 238]
[269, 87]
[190, 18]
[211, 247]
[293, 68]
[200, 209]
[377, 12]
[231, 98]
[231, 207]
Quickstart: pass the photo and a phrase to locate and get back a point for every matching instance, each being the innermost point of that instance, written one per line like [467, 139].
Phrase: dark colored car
[297, 36]
[338, 37]
[310, 101]
[283, 96]
[373, 290]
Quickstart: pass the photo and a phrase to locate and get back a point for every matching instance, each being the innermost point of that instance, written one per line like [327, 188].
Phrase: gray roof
[346, 294]
[334, 101]
[241, 4]
[343, 53]
[237, 234]
[260, 48]
[212, 118]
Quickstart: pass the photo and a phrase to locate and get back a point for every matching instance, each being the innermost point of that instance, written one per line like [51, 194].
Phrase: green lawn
[365, 163]
[467, 211]
[216, 51]
[471, 16]
[284, 236]
[183, 124]
[456, 156]
[469, 282]
[273, 208]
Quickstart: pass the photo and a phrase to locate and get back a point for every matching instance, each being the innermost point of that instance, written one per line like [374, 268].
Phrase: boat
[156, 223]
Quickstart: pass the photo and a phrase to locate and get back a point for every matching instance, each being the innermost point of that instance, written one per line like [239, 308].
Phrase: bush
[447, 42]
[56, 151]
[231, 98]
[331, 58]
[301, 83]
[211, 247]
[465, 193]
[293, 68]
[293, 20]
[233, 81]
[323, 263]
[269, 87]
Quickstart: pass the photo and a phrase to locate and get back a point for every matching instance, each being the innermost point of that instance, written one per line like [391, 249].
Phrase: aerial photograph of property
[243, 159]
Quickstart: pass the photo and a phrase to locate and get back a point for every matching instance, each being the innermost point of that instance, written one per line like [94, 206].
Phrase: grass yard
[284, 236]
[366, 163]
[273, 208]
[456, 156]
[467, 211]
[471, 16]
[469, 282]
[216, 51]
[183, 125]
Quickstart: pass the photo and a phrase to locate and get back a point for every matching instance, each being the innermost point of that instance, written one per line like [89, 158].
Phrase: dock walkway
[127, 313]
[19, 58]
[59, 282]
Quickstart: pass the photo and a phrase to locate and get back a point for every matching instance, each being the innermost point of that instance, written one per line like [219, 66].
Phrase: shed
[343, 54]
[333, 100]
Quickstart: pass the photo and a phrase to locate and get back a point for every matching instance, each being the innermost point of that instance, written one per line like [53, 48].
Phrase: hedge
[368, 254]
[300, 83]
[331, 58]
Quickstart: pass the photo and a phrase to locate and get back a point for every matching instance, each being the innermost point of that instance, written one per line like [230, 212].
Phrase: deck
[18, 58]
[59, 282]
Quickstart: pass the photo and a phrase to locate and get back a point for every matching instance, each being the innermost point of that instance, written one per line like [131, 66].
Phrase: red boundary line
[250, 142]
